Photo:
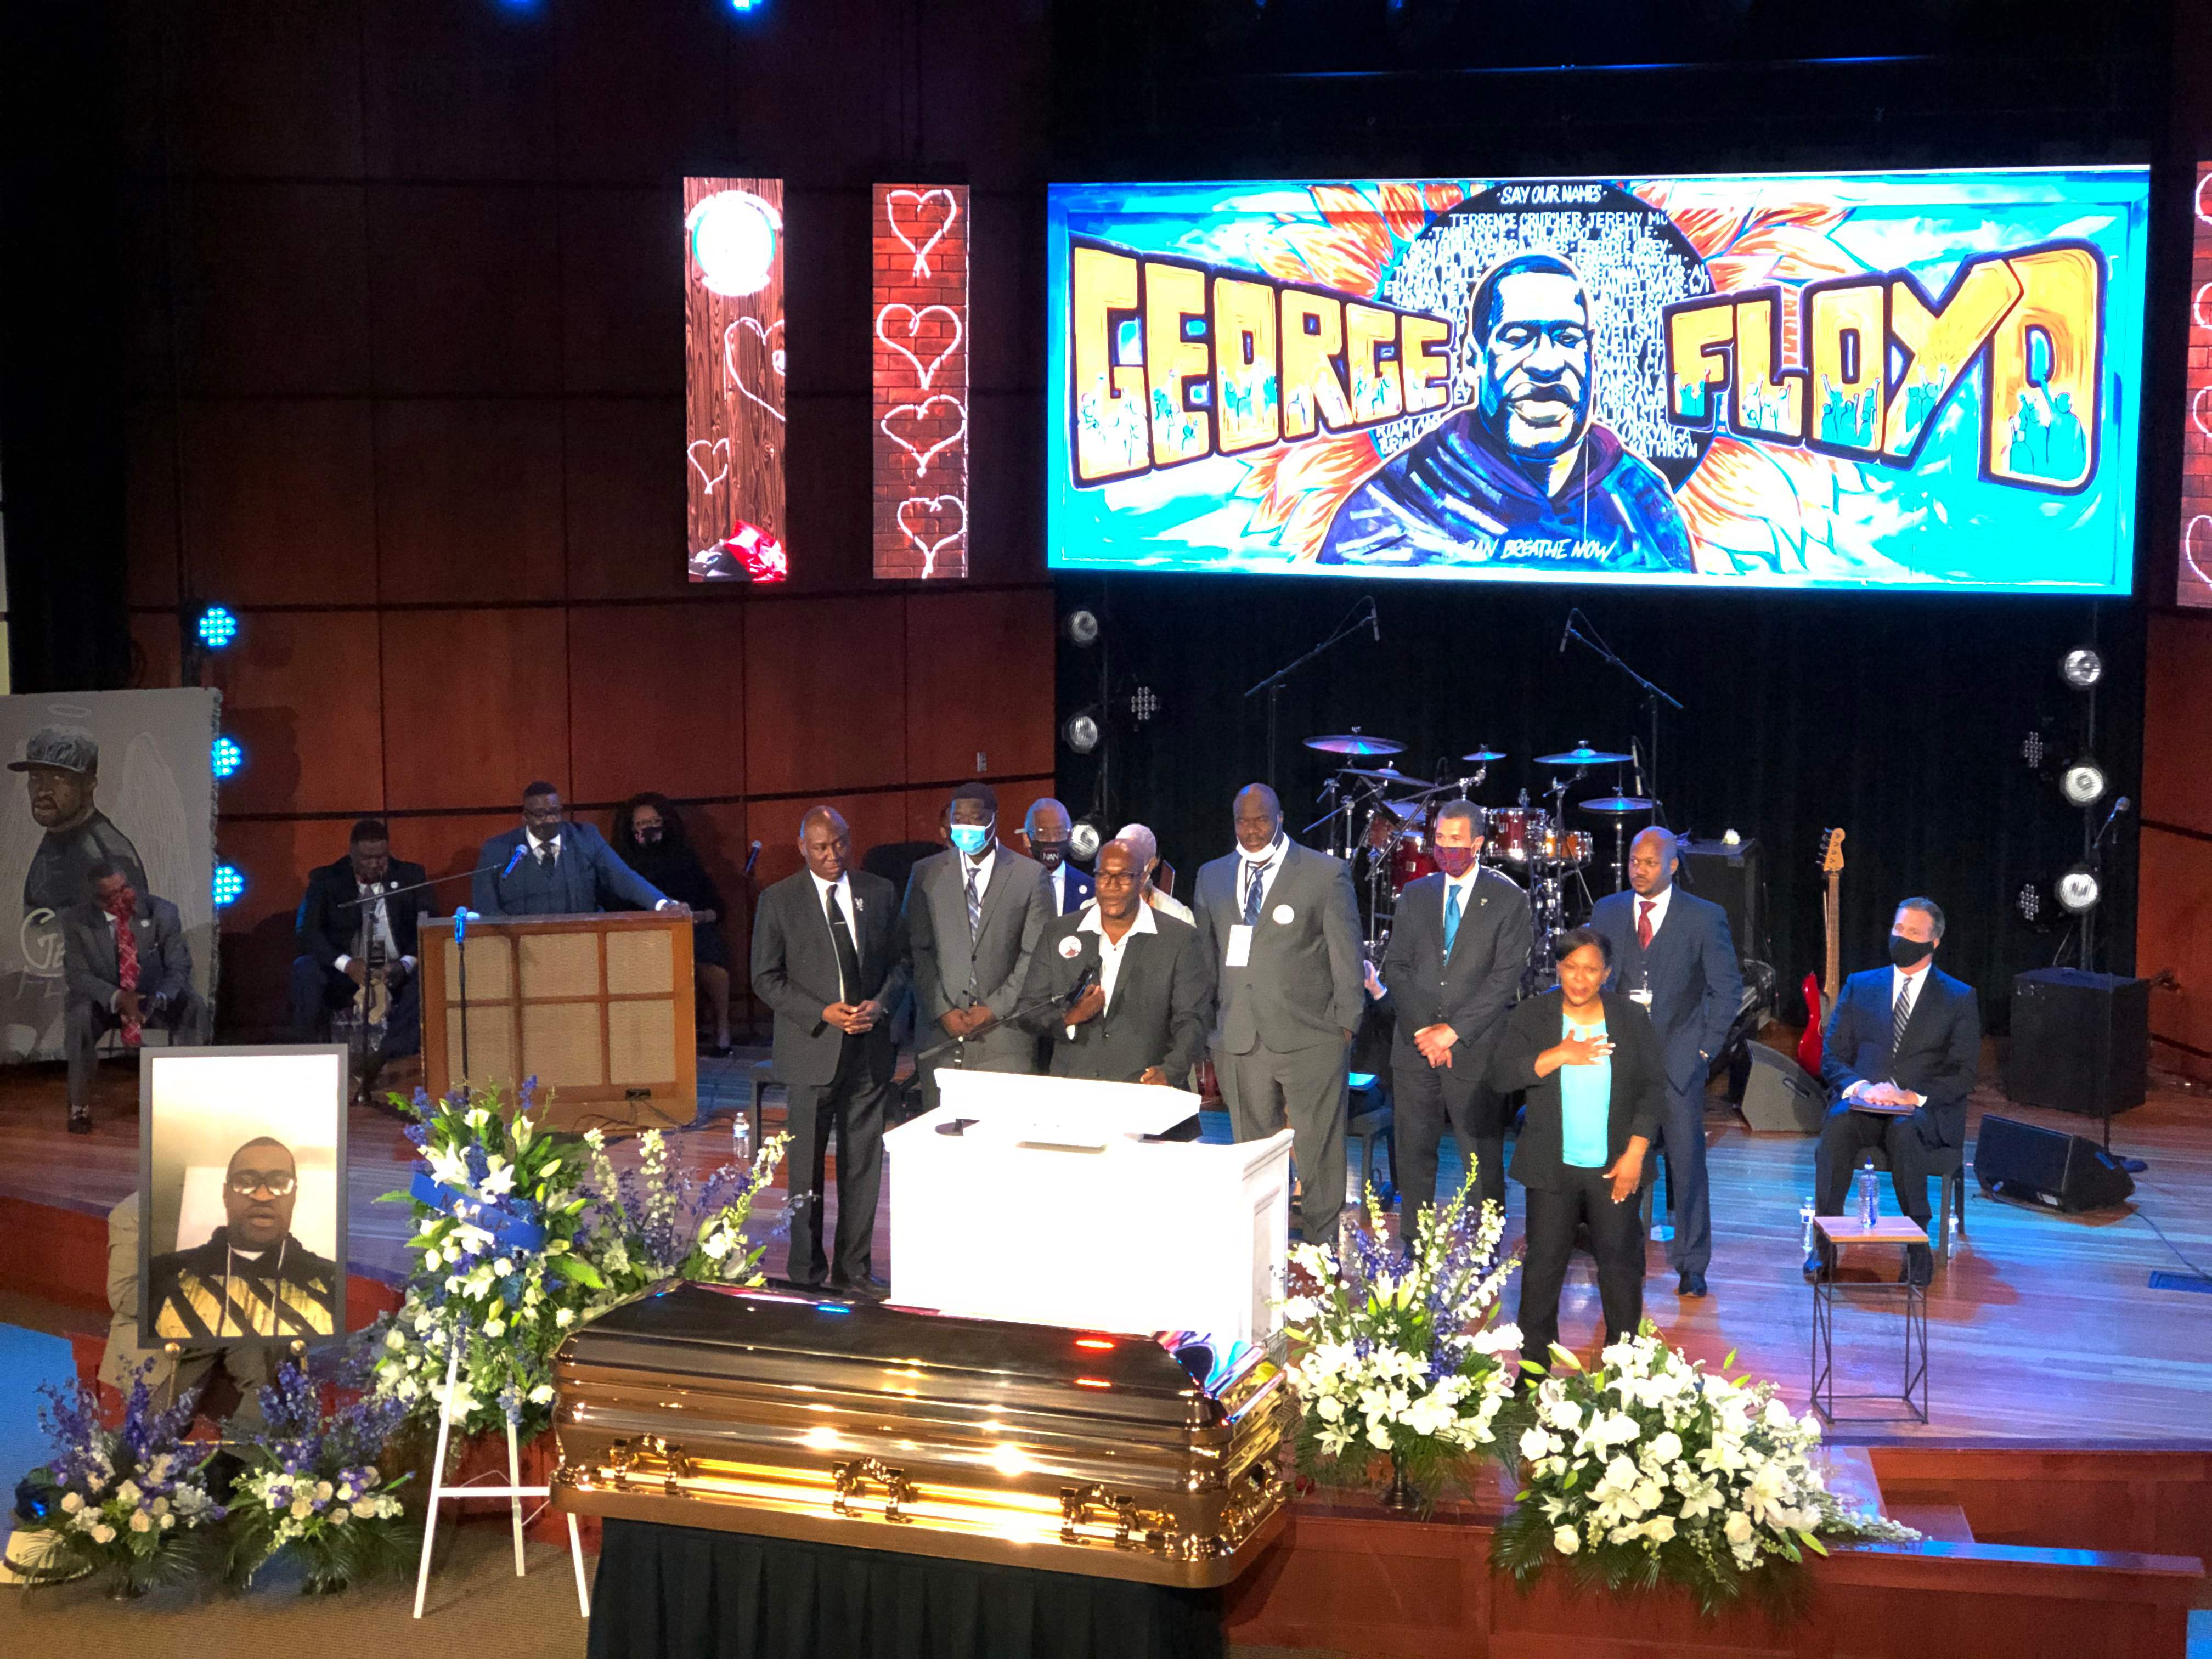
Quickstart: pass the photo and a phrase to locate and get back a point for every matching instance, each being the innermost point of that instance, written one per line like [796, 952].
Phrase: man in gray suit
[972, 918]
[126, 967]
[1280, 928]
[826, 959]
[555, 867]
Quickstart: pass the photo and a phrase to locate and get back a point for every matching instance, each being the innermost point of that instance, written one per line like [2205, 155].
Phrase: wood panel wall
[407, 377]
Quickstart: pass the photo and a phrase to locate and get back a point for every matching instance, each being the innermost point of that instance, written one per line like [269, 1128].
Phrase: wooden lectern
[598, 1008]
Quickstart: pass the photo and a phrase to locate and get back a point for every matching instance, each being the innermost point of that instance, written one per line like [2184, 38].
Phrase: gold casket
[807, 1417]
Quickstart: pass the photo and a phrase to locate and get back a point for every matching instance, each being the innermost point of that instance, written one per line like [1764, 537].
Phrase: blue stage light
[229, 885]
[747, 5]
[217, 627]
[226, 757]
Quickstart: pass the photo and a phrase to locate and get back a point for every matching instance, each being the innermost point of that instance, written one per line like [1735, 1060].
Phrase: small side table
[1843, 1233]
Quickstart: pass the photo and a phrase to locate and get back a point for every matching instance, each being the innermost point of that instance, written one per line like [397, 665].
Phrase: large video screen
[1870, 381]
[2193, 573]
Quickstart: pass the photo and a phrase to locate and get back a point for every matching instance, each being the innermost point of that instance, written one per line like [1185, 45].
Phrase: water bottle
[1869, 1202]
[1805, 1222]
[741, 1139]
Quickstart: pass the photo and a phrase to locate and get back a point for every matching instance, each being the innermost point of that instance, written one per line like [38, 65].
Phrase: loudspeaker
[2081, 1042]
[2048, 1167]
[1779, 1097]
[1729, 876]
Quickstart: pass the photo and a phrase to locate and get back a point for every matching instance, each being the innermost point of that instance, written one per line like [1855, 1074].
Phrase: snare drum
[1514, 832]
[1409, 862]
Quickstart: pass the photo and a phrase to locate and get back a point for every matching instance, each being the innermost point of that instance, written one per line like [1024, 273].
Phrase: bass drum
[1409, 862]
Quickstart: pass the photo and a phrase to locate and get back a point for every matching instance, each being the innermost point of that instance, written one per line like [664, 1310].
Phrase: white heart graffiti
[691, 450]
[919, 196]
[2189, 546]
[923, 374]
[765, 337]
[933, 507]
[920, 412]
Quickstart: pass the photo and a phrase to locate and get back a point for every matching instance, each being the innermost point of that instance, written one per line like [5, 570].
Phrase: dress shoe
[1919, 1266]
[80, 1122]
[1693, 1283]
[870, 1289]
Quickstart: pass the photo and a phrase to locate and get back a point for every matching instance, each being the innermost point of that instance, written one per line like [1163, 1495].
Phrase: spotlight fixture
[226, 757]
[2079, 890]
[1081, 627]
[216, 627]
[1143, 703]
[2083, 783]
[2029, 903]
[229, 885]
[2031, 751]
[1080, 732]
[1084, 841]
[2081, 668]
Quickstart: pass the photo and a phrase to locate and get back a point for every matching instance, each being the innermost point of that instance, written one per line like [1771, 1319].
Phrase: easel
[515, 1491]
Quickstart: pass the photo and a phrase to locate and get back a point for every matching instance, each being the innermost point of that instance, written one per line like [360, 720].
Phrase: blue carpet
[28, 1358]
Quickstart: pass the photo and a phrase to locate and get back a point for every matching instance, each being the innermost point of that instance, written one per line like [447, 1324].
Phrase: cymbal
[1380, 773]
[1408, 812]
[1582, 755]
[1484, 755]
[1355, 745]
[1619, 804]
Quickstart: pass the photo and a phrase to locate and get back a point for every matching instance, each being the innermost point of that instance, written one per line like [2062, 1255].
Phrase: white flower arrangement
[1649, 1469]
[1398, 1352]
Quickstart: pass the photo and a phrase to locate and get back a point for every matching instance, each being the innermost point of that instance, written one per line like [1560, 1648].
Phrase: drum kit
[1379, 819]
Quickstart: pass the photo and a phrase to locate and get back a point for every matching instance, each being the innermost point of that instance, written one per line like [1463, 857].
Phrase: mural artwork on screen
[919, 248]
[1924, 380]
[733, 413]
[2193, 585]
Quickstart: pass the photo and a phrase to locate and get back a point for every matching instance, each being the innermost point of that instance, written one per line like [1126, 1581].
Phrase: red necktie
[126, 972]
[1643, 923]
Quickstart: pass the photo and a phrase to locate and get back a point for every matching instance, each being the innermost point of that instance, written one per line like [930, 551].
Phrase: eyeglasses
[247, 1185]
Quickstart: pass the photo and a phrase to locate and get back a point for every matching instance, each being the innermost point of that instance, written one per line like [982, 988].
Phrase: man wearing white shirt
[1900, 1051]
[336, 960]
[1146, 846]
[1459, 945]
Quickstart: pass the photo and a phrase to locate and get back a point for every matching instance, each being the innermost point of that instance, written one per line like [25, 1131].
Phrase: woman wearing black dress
[650, 837]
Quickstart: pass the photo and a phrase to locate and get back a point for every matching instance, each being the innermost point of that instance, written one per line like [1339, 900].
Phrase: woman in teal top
[1595, 1079]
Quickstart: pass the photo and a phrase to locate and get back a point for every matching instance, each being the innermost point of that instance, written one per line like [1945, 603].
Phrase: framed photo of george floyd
[241, 1195]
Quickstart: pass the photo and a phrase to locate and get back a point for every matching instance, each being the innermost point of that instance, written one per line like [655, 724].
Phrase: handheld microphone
[752, 857]
[521, 847]
[1566, 632]
[1083, 981]
[2118, 806]
[1373, 623]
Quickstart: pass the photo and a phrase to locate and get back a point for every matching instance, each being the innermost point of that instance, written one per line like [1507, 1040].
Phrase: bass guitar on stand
[1821, 992]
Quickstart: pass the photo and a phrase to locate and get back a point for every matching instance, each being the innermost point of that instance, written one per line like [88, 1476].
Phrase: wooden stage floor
[2043, 1328]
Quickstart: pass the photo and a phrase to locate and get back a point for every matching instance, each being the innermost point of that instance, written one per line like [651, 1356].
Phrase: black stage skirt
[668, 1592]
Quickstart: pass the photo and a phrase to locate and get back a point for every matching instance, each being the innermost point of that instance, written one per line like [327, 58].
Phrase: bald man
[1146, 846]
[1048, 833]
[1280, 929]
[826, 959]
[1673, 954]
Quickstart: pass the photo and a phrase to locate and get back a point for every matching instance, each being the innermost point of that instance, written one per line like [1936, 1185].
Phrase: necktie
[1252, 875]
[974, 906]
[126, 974]
[1899, 1016]
[545, 853]
[1643, 923]
[848, 959]
[1451, 916]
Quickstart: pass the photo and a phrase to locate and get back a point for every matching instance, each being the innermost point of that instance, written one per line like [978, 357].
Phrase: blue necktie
[1451, 916]
[1252, 874]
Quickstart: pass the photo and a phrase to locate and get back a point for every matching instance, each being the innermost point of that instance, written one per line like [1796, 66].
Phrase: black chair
[1950, 1172]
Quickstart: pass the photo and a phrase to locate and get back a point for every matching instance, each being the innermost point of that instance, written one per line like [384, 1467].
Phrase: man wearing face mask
[1459, 942]
[553, 866]
[1900, 1052]
[972, 916]
[1280, 929]
[126, 966]
[1047, 832]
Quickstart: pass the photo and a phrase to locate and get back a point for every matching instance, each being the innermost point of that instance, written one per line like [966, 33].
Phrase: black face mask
[1050, 853]
[1909, 952]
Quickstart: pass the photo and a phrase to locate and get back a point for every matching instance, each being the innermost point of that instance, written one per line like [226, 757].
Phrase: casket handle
[1076, 1504]
[850, 1480]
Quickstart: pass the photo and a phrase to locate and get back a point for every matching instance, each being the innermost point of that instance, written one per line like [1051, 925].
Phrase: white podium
[1049, 1207]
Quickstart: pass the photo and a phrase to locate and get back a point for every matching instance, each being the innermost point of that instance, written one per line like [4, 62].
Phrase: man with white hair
[1146, 846]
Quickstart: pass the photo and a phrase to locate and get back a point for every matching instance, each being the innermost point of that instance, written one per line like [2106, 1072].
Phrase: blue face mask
[971, 838]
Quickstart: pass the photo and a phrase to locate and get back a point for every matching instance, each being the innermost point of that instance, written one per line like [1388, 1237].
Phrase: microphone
[521, 847]
[1373, 623]
[1082, 984]
[2118, 806]
[752, 857]
[1566, 632]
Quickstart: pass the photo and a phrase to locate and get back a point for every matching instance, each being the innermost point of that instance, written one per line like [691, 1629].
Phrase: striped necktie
[974, 906]
[1253, 876]
[1899, 1016]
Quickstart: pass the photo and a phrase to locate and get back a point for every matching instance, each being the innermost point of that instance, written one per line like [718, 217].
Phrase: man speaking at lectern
[553, 867]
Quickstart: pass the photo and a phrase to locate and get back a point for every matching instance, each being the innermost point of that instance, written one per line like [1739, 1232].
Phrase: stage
[2043, 1328]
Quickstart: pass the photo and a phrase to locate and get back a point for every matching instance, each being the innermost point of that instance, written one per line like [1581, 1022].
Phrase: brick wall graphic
[733, 420]
[919, 249]
[2194, 584]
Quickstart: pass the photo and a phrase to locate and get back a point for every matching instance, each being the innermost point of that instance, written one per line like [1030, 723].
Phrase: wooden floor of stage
[2042, 1327]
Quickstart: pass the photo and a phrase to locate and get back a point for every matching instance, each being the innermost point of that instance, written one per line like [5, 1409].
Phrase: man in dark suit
[336, 957]
[972, 916]
[1900, 1051]
[1672, 953]
[1142, 1017]
[1280, 930]
[1459, 943]
[126, 966]
[555, 867]
[1048, 834]
[826, 959]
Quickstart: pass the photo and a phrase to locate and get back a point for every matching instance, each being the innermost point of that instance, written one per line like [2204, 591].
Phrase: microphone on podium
[521, 847]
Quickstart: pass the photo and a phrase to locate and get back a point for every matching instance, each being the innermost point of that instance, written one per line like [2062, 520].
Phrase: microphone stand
[1653, 696]
[1361, 614]
[1056, 999]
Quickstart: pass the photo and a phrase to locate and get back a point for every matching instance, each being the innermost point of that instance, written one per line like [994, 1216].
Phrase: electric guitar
[1820, 996]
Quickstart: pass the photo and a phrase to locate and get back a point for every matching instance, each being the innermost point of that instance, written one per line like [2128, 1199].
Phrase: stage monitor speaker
[1730, 878]
[1779, 1097]
[2048, 1167]
[2081, 1042]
